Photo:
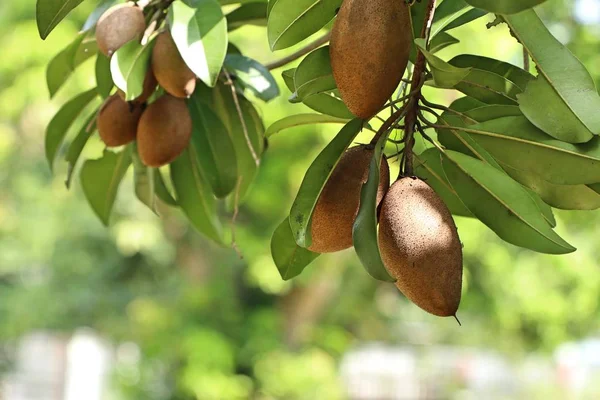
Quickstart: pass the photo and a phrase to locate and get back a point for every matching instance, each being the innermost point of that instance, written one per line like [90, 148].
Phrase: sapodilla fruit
[117, 121]
[164, 131]
[171, 72]
[118, 25]
[369, 48]
[149, 86]
[420, 246]
[338, 204]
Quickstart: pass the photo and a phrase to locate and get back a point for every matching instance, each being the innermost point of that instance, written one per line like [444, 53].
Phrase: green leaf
[300, 120]
[288, 79]
[565, 197]
[429, 168]
[504, 6]
[514, 141]
[291, 21]
[93, 18]
[128, 67]
[143, 181]
[441, 41]
[195, 197]
[160, 188]
[77, 145]
[329, 103]
[502, 204]
[446, 13]
[315, 179]
[49, 13]
[253, 76]
[314, 74]
[571, 100]
[104, 82]
[62, 66]
[200, 33]
[100, 180]
[364, 230]
[247, 14]
[465, 18]
[516, 75]
[214, 148]
[444, 75]
[59, 125]
[289, 258]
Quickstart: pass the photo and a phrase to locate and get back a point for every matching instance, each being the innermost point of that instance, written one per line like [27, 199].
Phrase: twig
[305, 50]
[526, 60]
[236, 209]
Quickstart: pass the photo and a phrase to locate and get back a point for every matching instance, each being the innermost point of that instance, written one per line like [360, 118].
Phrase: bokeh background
[147, 309]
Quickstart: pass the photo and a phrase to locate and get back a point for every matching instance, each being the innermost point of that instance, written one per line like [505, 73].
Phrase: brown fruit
[171, 72]
[117, 121]
[118, 25]
[164, 131]
[370, 45]
[337, 207]
[420, 246]
[148, 89]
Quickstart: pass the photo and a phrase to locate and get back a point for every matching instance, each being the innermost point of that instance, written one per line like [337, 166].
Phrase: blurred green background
[184, 319]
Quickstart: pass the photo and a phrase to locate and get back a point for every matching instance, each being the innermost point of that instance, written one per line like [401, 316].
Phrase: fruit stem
[391, 121]
[305, 50]
[457, 320]
[416, 85]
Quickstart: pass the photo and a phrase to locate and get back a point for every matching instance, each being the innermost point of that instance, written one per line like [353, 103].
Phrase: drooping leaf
[253, 76]
[315, 179]
[444, 75]
[143, 181]
[446, 13]
[104, 82]
[100, 180]
[364, 230]
[291, 21]
[502, 204]
[195, 197]
[314, 74]
[465, 18]
[504, 6]
[200, 33]
[128, 67]
[161, 190]
[571, 100]
[62, 66]
[59, 125]
[300, 120]
[289, 258]
[441, 41]
[49, 13]
[77, 145]
[214, 148]
[254, 13]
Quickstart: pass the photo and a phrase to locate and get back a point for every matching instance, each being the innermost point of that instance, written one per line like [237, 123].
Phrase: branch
[303, 51]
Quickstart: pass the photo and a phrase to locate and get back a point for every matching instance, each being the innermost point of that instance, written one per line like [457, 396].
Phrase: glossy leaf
[254, 13]
[502, 204]
[289, 258]
[143, 181]
[253, 76]
[195, 197]
[100, 180]
[77, 146]
[63, 120]
[49, 13]
[128, 67]
[300, 120]
[364, 230]
[444, 75]
[291, 21]
[504, 6]
[161, 190]
[62, 66]
[93, 18]
[315, 179]
[104, 82]
[571, 100]
[200, 33]
[314, 74]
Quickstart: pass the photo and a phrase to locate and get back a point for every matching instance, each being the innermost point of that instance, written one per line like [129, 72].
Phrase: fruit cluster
[162, 129]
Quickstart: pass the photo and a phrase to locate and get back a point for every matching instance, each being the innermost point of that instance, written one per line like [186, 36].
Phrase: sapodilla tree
[515, 146]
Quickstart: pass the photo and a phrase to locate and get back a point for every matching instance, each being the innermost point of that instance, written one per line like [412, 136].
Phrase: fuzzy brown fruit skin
[118, 25]
[337, 207]
[369, 48]
[171, 72]
[149, 87]
[118, 121]
[164, 131]
[420, 246]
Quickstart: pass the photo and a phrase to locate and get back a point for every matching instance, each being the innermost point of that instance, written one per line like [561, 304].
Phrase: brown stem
[391, 121]
[416, 85]
[305, 50]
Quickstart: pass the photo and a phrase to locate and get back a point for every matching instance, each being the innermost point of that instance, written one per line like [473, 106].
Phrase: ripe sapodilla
[420, 246]
[337, 207]
[117, 121]
[164, 131]
[118, 25]
[370, 46]
[171, 72]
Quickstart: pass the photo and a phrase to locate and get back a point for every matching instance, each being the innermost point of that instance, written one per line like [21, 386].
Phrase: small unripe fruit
[119, 25]
[338, 205]
[370, 46]
[420, 246]
[164, 131]
[117, 121]
[171, 72]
